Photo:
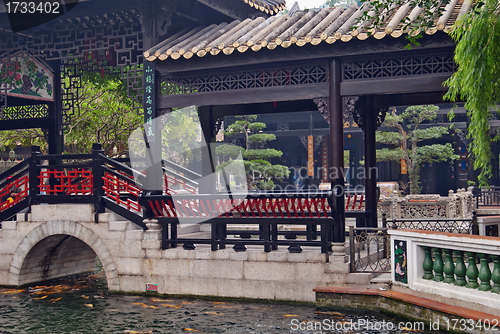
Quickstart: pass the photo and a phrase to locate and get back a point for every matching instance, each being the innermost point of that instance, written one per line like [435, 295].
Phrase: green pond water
[82, 304]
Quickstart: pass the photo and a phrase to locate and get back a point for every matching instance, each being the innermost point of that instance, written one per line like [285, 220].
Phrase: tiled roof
[326, 26]
[267, 6]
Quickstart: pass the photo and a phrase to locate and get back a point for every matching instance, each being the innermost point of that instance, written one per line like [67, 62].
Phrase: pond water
[82, 304]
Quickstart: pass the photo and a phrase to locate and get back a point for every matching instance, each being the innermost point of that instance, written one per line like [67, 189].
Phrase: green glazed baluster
[449, 267]
[495, 275]
[438, 265]
[484, 273]
[472, 272]
[427, 265]
[460, 269]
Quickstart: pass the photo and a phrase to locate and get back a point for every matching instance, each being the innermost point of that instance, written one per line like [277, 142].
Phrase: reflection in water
[83, 305]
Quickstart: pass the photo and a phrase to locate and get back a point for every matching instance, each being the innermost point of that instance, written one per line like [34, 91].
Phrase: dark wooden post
[336, 150]
[97, 179]
[56, 138]
[207, 184]
[369, 117]
[34, 190]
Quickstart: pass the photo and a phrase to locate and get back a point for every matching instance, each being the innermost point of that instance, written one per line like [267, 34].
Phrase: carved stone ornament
[317, 141]
[358, 118]
[323, 108]
[348, 105]
[303, 140]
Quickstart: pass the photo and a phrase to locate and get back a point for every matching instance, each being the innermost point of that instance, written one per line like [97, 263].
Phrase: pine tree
[405, 142]
[259, 170]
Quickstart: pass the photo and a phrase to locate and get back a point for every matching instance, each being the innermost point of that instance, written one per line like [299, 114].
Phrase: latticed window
[260, 78]
[387, 67]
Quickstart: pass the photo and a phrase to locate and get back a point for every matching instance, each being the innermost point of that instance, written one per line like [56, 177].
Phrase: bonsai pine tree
[405, 141]
[258, 168]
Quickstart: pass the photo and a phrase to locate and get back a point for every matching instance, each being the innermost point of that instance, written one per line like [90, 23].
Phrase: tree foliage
[405, 142]
[259, 169]
[477, 79]
[179, 137]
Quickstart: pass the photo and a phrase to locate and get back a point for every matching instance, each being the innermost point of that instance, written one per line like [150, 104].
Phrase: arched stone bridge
[63, 239]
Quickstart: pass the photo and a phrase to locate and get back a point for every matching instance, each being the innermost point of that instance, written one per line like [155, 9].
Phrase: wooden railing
[265, 211]
[487, 196]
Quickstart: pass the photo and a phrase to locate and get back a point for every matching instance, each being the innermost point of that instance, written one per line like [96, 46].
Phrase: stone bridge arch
[52, 239]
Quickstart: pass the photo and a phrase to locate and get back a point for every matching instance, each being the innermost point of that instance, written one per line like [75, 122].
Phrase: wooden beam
[388, 100]
[409, 84]
[252, 95]
[30, 123]
[264, 108]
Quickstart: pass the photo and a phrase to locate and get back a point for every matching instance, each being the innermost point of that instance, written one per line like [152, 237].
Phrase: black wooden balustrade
[266, 211]
[487, 196]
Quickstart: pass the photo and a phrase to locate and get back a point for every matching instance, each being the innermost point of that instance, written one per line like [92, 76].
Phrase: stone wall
[424, 314]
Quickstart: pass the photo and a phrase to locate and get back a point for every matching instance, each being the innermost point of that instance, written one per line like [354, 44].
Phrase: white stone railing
[455, 205]
[446, 264]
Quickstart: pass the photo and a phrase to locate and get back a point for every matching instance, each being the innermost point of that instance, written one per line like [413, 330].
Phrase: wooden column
[56, 137]
[336, 150]
[369, 118]
[208, 181]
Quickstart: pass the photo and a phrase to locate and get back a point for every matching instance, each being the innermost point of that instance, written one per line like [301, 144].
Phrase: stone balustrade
[448, 264]
[455, 205]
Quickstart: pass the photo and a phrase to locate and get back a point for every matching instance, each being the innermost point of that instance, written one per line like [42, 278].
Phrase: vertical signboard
[149, 99]
[324, 158]
[310, 156]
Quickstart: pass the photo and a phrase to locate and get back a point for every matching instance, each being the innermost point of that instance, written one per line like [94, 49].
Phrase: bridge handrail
[13, 170]
[181, 177]
[72, 156]
[136, 174]
[187, 172]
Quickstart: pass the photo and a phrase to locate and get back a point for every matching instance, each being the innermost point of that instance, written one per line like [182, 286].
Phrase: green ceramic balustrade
[484, 273]
[460, 270]
[495, 275]
[428, 265]
[458, 273]
[472, 272]
[449, 267]
[438, 265]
